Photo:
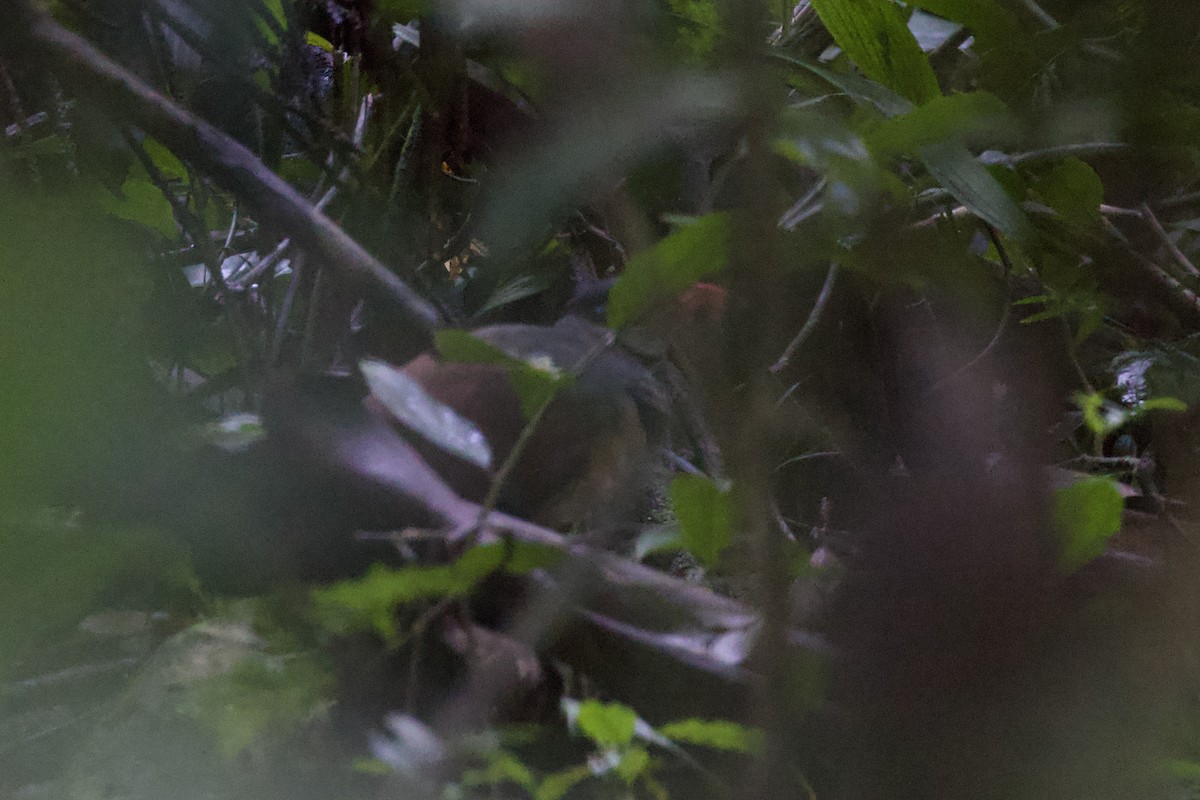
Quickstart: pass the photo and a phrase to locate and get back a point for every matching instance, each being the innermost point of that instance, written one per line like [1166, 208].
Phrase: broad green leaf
[536, 382]
[705, 514]
[687, 255]
[874, 34]
[606, 724]
[1074, 190]
[969, 182]
[408, 401]
[1086, 515]
[959, 117]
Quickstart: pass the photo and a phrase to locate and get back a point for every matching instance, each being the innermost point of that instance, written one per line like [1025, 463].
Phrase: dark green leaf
[960, 117]
[692, 252]
[1074, 190]
[874, 34]
[953, 166]
[865, 92]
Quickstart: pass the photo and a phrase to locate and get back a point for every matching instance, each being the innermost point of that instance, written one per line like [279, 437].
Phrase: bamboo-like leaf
[874, 35]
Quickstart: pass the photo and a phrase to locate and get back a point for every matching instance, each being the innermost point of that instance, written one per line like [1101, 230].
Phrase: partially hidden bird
[588, 459]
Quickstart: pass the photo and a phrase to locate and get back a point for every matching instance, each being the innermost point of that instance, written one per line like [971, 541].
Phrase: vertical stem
[755, 296]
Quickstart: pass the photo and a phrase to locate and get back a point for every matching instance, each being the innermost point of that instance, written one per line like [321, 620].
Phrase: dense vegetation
[859, 460]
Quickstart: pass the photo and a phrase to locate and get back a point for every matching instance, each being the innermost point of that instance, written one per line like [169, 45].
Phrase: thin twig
[810, 324]
[1183, 296]
[1182, 260]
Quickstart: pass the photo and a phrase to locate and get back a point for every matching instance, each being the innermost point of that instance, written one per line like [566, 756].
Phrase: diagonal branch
[34, 33]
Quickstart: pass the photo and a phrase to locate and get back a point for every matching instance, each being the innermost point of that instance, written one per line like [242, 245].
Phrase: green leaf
[827, 145]
[1086, 515]
[408, 401]
[271, 20]
[698, 23]
[557, 784]
[1101, 416]
[634, 763]
[1074, 190]
[863, 91]
[502, 767]
[989, 22]
[166, 162]
[874, 34]
[687, 255]
[142, 202]
[317, 40]
[959, 117]
[1163, 404]
[970, 183]
[369, 603]
[536, 381]
[718, 734]
[606, 724]
[525, 557]
[705, 514]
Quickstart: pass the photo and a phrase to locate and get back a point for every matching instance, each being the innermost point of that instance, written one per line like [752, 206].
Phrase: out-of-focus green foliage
[1019, 178]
